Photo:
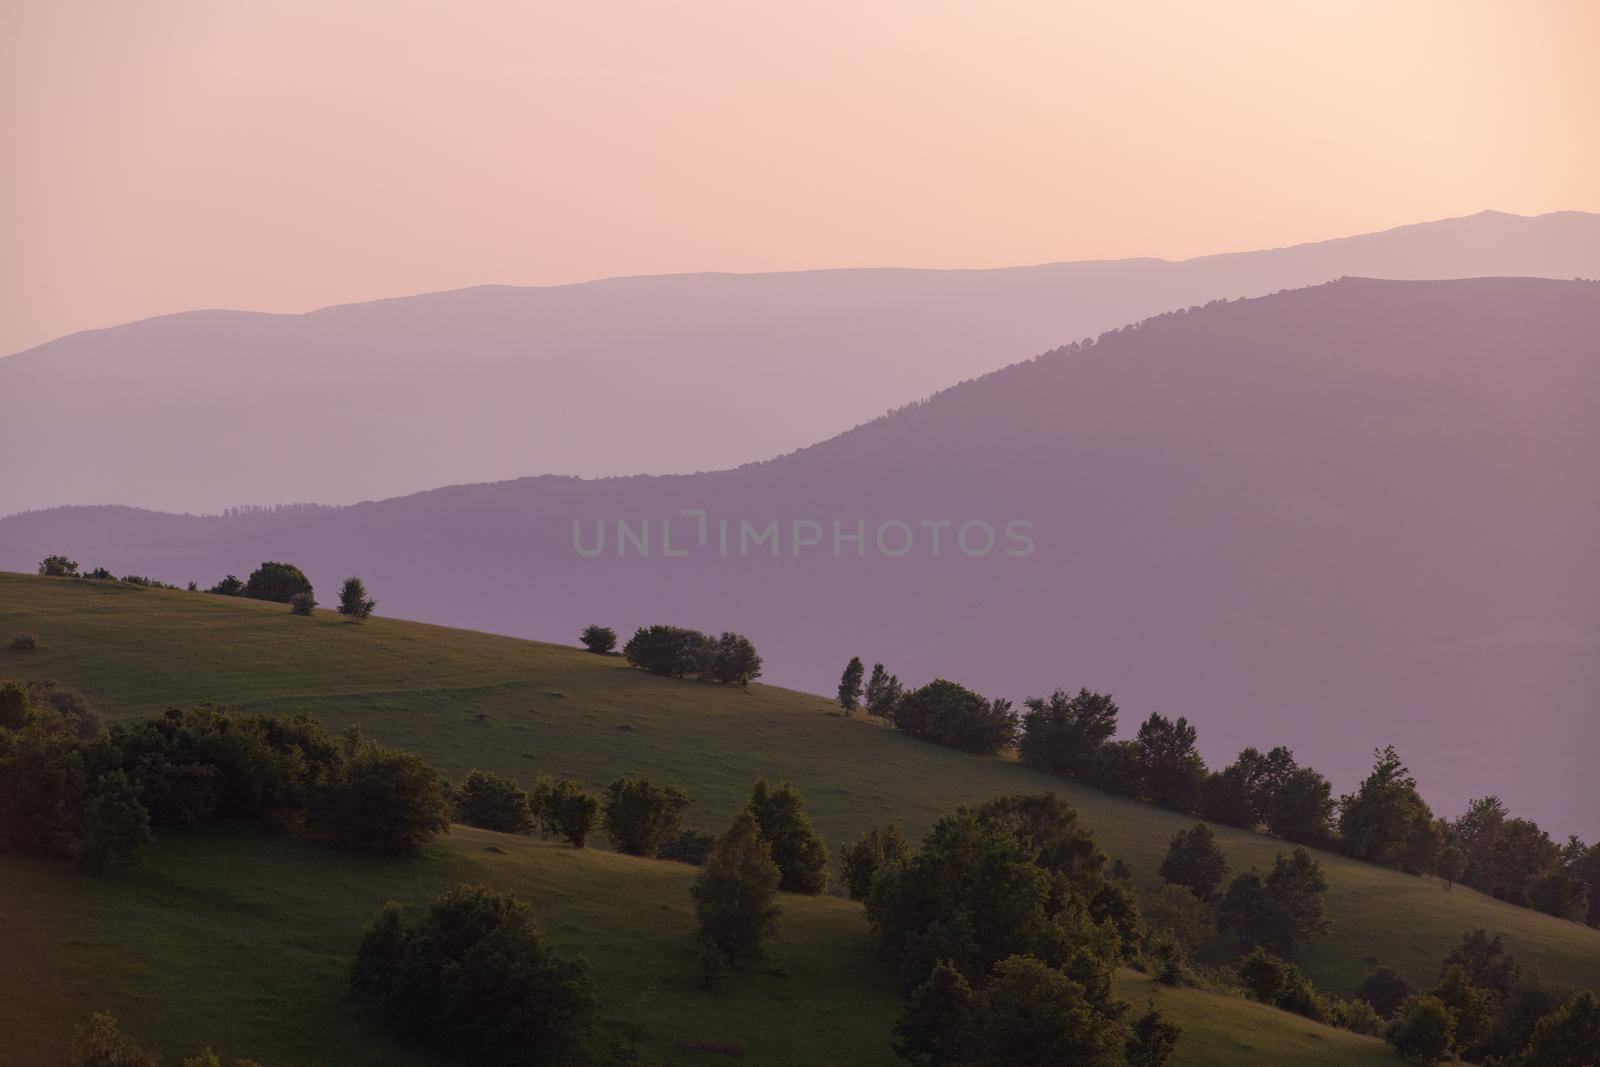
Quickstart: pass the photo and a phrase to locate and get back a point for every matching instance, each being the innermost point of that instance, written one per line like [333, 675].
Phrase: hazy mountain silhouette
[199, 411]
[1339, 517]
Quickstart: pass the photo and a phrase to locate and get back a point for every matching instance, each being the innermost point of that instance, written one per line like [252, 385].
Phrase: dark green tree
[1298, 890]
[850, 685]
[1473, 1007]
[116, 826]
[801, 856]
[229, 586]
[943, 1023]
[883, 693]
[493, 802]
[302, 603]
[640, 816]
[1449, 865]
[599, 639]
[862, 860]
[566, 810]
[1152, 1040]
[383, 800]
[735, 894]
[103, 1044]
[950, 714]
[1195, 861]
[58, 567]
[1386, 821]
[1568, 1037]
[1173, 771]
[1385, 989]
[734, 661]
[277, 582]
[1423, 1031]
[1225, 797]
[1062, 734]
[1038, 1016]
[353, 600]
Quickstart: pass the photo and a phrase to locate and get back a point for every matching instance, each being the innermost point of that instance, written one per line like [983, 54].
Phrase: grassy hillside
[244, 941]
[562, 711]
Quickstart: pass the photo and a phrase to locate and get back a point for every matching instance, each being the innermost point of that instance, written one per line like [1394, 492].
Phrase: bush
[735, 896]
[1063, 733]
[59, 567]
[862, 860]
[1423, 1030]
[104, 1045]
[1177, 915]
[229, 586]
[1567, 1036]
[493, 802]
[669, 650]
[277, 582]
[384, 801]
[801, 856]
[1195, 861]
[302, 603]
[353, 600]
[476, 979]
[639, 816]
[599, 639]
[949, 714]
[100, 574]
[1272, 981]
[116, 826]
[692, 847]
[1385, 990]
[566, 810]
[23, 643]
[1152, 1040]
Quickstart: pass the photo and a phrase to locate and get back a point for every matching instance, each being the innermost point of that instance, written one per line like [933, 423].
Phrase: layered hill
[1335, 518]
[210, 409]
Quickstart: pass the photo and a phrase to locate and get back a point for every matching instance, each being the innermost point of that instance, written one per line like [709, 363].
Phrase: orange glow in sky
[287, 155]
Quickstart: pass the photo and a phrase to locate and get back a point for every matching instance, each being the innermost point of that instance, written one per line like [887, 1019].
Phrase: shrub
[277, 582]
[116, 826]
[23, 643]
[640, 816]
[1272, 981]
[353, 600]
[1152, 1040]
[1385, 990]
[951, 714]
[735, 895]
[1423, 1030]
[1357, 1016]
[599, 639]
[493, 802]
[229, 586]
[1195, 861]
[384, 801]
[862, 860]
[692, 847]
[670, 650]
[59, 567]
[302, 603]
[801, 856]
[103, 1044]
[566, 810]
[476, 979]
[100, 574]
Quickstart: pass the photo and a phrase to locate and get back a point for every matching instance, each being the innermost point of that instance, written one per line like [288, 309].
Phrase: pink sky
[283, 156]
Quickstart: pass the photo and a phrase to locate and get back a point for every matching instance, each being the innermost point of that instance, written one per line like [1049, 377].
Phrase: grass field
[562, 711]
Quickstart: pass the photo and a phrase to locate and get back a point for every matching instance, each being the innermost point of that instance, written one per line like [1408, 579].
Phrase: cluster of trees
[1486, 1009]
[880, 694]
[103, 1044]
[70, 789]
[476, 979]
[1004, 928]
[60, 566]
[683, 653]
[1514, 860]
[281, 583]
[555, 808]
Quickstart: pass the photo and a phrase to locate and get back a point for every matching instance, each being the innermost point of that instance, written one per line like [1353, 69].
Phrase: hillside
[561, 711]
[615, 377]
[1333, 518]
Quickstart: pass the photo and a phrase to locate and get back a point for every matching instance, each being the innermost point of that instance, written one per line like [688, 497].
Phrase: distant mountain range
[203, 410]
[1337, 517]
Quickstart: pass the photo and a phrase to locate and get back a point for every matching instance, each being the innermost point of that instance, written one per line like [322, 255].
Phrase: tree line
[282, 583]
[1384, 820]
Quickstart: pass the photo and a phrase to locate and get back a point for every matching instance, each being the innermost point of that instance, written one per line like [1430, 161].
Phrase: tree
[1225, 798]
[566, 810]
[1567, 1037]
[1152, 1040]
[801, 856]
[229, 586]
[1423, 1030]
[383, 800]
[103, 1044]
[476, 979]
[601, 640]
[690, 846]
[1301, 808]
[850, 685]
[116, 826]
[1298, 889]
[1247, 910]
[302, 603]
[1486, 962]
[1449, 865]
[950, 714]
[943, 1022]
[493, 802]
[1560, 892]
[1176, 915]
[277, 581]
[1059, 843]
[59, 567]
[353, 600]
[735, 894]
[734, 661]
[1173, 771]
[862, 860]
[640, 816]
[1386, 821]
[1195, 861]
[1385, 990]
[1273, 981]
[1473, 1007]
[883, 693]
[1062, 734]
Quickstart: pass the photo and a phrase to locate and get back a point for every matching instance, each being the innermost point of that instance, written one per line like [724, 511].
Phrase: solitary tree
[640, 816]
[59, 567]
[353, 600]
[277, 581]
[735, 896]
[601, 640]
[1195, 861]
[850, 685]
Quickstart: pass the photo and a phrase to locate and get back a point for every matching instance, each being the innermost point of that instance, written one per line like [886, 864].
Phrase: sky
[161, 157]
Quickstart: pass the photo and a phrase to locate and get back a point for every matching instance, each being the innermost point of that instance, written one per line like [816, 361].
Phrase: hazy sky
[287, 155]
